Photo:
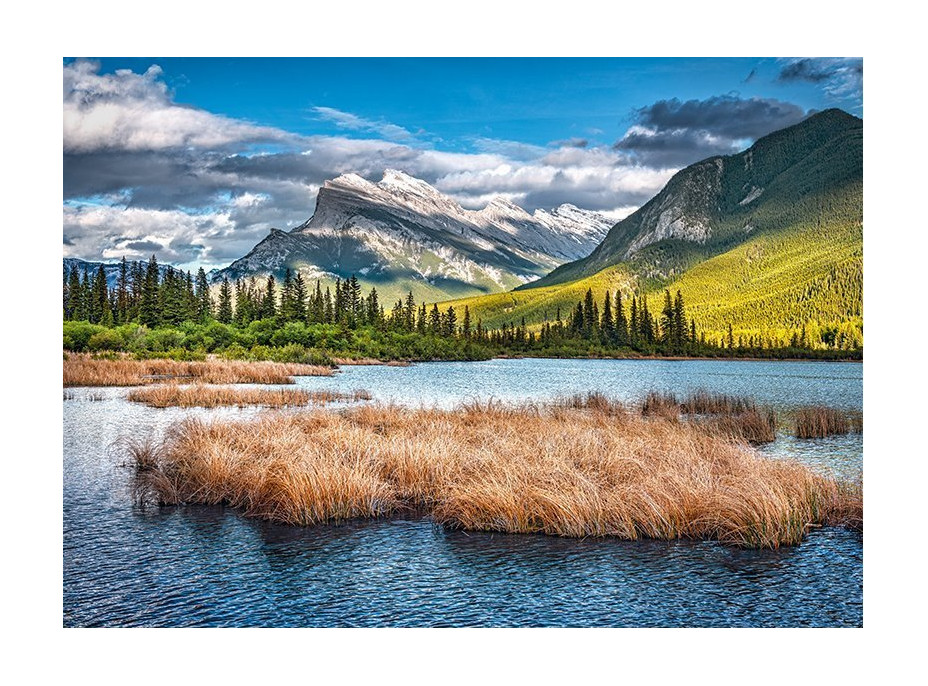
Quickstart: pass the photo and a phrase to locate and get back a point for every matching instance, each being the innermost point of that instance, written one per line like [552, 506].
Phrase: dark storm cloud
[675, 133]
[727, 116]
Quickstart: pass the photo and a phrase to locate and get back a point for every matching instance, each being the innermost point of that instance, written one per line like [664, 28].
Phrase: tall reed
[552, 469]
[818, 421]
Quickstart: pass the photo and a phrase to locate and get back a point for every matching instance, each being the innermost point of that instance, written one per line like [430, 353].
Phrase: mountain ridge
[714, 204]
[403, 234]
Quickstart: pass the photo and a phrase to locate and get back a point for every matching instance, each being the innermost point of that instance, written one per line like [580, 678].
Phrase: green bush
[77, 335]
[108, 339]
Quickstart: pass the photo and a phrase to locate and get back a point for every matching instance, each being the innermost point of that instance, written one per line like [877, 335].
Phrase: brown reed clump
[818, 421]
[702, 401]
[755, 425]
[201, 395]
[664, 405]
[590, 401]
[494, 467]
[84, 370]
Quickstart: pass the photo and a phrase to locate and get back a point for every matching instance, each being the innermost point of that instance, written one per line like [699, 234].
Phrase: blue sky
[195, 159]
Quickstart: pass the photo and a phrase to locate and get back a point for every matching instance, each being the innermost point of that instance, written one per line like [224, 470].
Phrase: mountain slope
[402, 234]
[769, 241]
[710, 207]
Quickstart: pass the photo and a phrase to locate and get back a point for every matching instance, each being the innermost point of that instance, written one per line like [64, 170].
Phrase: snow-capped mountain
[402, 234]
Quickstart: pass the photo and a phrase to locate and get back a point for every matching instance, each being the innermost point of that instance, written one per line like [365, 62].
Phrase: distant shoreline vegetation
[175, 315]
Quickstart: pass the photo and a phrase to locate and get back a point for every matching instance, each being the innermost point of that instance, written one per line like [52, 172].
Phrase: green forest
[167, 312]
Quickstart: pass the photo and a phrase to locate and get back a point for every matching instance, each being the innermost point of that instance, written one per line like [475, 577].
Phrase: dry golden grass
[84, 370]
[548, 469]
[200, 395]
[819, 421]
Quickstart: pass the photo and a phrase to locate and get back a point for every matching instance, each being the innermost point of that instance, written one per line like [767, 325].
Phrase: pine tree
[373, 308]
[679, 321]
[465, 324]
[621, 323]
[668, 330]
[135, 290]
[421, 323]
[589, 317]
[607, 323]
[204, 301]
[268, 308]
[634, 329]
[73, 307]
[435, 320]
[449, 323]
[410, 312]
[298, 302]
[122, 293]
[224, 312]
[149, 311]
[355, 301]
[329, 308]
[647, 321]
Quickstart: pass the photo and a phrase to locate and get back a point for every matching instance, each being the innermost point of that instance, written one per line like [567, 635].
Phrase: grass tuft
[576, 468]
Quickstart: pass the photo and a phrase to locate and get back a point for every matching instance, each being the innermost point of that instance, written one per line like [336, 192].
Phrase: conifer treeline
[155, 297]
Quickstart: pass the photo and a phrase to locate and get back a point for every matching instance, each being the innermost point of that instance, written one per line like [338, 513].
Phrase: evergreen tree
[329, 308]
[268, 308]
[298, 302]
[421, 323]
[224, 312]
[435, 320]
[679, 321]
[204, 301]
[607, 323]
[668, 330]
[449, 323]
[286, 297]
[634, 329]
[410, 311]
[149, 310]
[122, 293]
[621, 323]
[73, 306]
[465, 324]
[589, 317]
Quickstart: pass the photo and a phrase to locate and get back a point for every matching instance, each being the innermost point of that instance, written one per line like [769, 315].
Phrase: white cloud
[134, 112]
[110, 233]
[352, 122]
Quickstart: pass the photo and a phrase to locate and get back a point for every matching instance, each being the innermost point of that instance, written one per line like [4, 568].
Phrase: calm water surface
[201, 566]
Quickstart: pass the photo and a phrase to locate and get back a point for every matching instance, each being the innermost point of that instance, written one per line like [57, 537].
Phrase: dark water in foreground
[202, 566]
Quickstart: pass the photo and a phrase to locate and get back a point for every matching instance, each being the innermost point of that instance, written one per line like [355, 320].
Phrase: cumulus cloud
[840, 77]
[125, 111]
[676, 133]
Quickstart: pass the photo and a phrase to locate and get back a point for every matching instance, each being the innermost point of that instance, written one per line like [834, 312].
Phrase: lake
[208, 566]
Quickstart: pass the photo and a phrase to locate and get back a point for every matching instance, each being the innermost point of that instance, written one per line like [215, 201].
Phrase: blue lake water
[208, 566]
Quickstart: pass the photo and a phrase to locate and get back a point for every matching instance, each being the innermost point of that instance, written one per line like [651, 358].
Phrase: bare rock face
[404, 230]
